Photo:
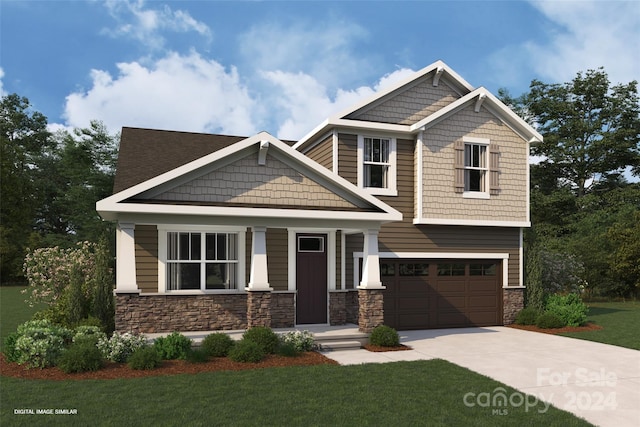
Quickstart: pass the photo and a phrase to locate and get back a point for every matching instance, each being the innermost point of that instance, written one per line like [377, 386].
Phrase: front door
[311, 278]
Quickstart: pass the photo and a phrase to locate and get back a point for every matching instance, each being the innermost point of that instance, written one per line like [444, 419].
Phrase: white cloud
[146, 25]
[2, 92]
[581, 35]
[187, 93]
[302, 102]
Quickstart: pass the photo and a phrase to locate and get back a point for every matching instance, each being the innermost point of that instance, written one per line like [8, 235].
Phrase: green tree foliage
[103, 304]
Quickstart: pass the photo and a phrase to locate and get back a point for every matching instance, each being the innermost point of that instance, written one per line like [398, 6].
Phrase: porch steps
[328, 341]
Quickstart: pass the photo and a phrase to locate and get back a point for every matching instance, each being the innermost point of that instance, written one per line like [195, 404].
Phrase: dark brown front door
[311, 278]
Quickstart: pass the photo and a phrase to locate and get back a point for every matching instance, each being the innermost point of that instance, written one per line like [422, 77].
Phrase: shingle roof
[146, 153]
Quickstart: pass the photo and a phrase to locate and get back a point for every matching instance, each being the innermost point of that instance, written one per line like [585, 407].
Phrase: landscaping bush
[199, 355]
[287, 349]
[300, 340]
[173, 346]
[39, 343]
[384, 336]
[569, 308]
[120, 347]
[549, 321]
[246, 351]
[264, 337]
[88, 333]
[10, 353]
[82, 356]
[527, 316]
[145, 358]
[217, 344]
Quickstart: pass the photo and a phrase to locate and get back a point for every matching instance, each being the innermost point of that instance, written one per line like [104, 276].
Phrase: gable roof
[149, 197]
[351, 118]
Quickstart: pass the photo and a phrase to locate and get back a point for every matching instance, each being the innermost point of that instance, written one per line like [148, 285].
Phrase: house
[406, 209]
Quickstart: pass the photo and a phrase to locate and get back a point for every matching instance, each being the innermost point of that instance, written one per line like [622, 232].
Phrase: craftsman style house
[406, 209]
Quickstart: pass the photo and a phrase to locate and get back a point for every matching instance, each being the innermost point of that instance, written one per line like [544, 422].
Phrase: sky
[237, 68]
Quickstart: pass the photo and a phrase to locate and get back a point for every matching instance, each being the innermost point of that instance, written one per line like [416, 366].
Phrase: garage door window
[451, 269]
[387, 270]
[414, 269]
[485, 269]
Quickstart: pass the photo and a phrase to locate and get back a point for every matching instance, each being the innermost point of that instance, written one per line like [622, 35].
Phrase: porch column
[126, 259]
[370, 262]
[259, 276]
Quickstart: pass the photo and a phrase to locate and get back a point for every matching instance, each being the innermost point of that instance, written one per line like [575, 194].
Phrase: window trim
[240, 263]
[471, 141]
[391, 189]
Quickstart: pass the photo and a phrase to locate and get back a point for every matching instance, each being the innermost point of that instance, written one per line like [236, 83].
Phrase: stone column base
[512, 303]
[370, 309]
[258, 308]
[337, 308]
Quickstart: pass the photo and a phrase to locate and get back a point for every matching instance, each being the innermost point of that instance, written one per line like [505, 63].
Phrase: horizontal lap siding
[322, 153]
[348, 157]
[277, 258]
[146, 238]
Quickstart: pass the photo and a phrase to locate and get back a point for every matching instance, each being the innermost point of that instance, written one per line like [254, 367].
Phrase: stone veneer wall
[371, 309]
[283, 309]
[168, 313]
[351, 306]
[337, 308]
[258, 308]
[513, 302]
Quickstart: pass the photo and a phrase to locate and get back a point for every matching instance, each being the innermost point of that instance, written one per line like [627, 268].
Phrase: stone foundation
[337, 308]
[371, 309]
[258, 308]
[168, 313]
[351, 306]
[283, 310]
[512, 302]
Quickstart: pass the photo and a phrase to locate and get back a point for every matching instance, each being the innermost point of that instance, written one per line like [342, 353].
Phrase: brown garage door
[427, 294]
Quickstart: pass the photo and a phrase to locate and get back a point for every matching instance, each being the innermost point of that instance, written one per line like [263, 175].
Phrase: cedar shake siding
[146, 237]
[440, 201]
[322, 152]
[411, 104]
[348, 157]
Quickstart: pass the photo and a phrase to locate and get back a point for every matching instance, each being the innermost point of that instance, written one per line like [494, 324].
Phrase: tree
[591, 129]
[24, 143]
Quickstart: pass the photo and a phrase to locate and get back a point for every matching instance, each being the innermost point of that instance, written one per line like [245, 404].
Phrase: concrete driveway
[597, 382]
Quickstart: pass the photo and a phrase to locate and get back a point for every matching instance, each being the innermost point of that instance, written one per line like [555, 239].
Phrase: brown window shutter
[494, 169]
[458, 171]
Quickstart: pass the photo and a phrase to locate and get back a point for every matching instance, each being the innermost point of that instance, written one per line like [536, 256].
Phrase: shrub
[569, 308]
[199, 355]
[90, 333]
[39, 343]
[82, 356]
[10, 353]
[145, 358]
[173, 346]
[549, 321]
[264, 337]
[217, 344]
[287, 349]
[246, 351]
[120, 347]
[384, 336]
[300, 340]
[527, 316]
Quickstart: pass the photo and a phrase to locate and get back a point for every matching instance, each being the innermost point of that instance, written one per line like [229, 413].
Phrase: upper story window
[202, 260]
[475, 167]
[377, 165]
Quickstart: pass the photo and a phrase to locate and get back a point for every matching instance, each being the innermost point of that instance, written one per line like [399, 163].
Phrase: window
[377, 169]
[201, 260]
[485, 269]
[414, 269]
[475, 167]
[310, 244]
[451, 269]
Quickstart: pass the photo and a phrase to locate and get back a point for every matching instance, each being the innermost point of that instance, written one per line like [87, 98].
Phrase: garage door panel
[450, 286]
[488, 318]
[486, 301]
[412, 320]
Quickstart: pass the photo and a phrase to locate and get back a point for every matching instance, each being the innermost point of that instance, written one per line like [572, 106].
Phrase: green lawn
[392, 394]
[13, 310]
[620, 321]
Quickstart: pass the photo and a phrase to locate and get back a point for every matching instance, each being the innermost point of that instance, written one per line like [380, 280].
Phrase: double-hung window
[475, 167]
[377, 169]
[202, 260]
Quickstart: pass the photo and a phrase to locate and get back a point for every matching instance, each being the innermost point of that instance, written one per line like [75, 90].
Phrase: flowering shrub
[40, 343]
[49, 271]
[86, 333]
[300, 340]
[120, 347]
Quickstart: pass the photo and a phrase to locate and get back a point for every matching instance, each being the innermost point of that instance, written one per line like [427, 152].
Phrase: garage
[429, 294]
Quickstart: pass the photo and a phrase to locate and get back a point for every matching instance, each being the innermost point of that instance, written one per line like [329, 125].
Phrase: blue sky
[241, 67]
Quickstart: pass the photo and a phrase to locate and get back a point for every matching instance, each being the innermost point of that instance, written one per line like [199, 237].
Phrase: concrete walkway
[597, 382]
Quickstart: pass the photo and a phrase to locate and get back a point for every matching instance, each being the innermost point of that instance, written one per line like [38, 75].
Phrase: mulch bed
[377, 348]
[588, 327]
[169, 367]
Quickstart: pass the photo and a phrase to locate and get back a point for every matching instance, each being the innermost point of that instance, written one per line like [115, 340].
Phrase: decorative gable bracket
[262, 154]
